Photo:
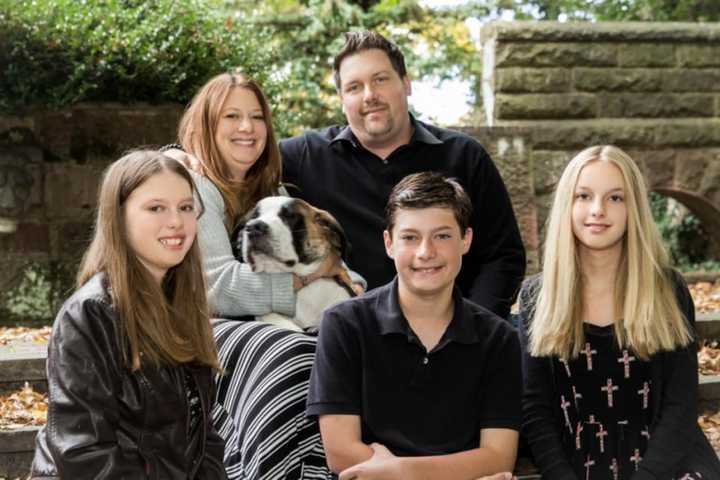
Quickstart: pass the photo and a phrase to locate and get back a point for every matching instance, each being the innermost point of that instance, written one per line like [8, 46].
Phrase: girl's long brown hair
[157, 325]
[196, 134]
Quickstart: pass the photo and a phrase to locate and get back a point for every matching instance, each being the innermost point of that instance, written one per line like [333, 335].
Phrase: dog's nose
[256, 229]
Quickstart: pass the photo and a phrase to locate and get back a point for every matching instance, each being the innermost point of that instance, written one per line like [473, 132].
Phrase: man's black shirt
[333, 171]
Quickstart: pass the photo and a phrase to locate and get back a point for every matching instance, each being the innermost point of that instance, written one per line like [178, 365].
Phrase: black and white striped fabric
[260, 409]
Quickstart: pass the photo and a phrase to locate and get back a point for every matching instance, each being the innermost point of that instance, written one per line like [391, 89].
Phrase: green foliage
[37, 293]
[59, 52]
[683, 235]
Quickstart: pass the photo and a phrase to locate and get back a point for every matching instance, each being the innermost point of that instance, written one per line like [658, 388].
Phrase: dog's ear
[334, 233]
[236, 237]
[236, 241]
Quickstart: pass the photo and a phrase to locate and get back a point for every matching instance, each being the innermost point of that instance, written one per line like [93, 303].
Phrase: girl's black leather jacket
[105, 421]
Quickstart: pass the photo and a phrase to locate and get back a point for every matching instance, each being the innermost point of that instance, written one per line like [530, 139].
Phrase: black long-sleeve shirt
[674, 432]
[333, 171]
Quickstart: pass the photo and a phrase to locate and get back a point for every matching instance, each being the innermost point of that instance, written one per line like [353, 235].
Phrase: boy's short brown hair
[427, 190]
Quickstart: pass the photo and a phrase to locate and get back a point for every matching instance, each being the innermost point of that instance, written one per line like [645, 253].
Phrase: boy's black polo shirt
[370, 363]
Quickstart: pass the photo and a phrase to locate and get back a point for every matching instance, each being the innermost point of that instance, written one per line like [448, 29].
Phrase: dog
[286, 234]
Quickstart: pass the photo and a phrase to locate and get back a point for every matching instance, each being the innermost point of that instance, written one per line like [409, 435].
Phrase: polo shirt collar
[420, 134]
[392, 320]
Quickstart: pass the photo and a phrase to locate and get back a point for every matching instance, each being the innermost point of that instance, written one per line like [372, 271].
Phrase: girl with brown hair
[609, 360]
[131, 354]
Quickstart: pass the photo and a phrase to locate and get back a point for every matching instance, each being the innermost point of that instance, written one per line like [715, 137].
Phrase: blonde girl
[609, 362]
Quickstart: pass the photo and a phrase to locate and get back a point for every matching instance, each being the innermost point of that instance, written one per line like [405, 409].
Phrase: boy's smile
[427, 247]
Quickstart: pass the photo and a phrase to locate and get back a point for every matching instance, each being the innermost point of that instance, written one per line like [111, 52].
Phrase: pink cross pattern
[614, 469]
[636, 459]
[567, 367]
[689, 476]
[576, 396]
[601, 434]
[564, 405]
[626, 359]
[645, 392]
[588, 355]
[609, 388]
[578, 430]
[589, 463]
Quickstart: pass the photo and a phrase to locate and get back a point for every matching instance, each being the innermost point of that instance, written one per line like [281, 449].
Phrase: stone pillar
[653, 89]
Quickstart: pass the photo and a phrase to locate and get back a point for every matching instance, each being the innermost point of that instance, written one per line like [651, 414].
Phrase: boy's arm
[342, 439]
[497, 451]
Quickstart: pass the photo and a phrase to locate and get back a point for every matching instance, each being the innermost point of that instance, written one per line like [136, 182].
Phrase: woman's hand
[191, 162]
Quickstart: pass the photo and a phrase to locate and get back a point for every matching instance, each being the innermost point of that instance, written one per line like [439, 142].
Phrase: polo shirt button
[425, 361]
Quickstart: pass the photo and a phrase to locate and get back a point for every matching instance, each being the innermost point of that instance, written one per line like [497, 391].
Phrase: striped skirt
[260, 409]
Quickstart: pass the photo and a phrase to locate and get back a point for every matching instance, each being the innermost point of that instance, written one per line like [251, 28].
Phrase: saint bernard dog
[286, 234]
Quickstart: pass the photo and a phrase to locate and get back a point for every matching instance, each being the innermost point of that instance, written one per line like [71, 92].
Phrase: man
[411, 380]
[350, 171]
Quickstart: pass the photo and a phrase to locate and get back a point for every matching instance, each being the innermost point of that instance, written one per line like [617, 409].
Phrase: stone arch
[702, 207]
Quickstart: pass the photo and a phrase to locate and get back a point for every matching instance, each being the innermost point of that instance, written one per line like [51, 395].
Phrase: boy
[411, 380]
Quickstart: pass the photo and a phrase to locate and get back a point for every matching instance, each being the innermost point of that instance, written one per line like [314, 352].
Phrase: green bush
[684, 236]
[58, 52]
[35, 296]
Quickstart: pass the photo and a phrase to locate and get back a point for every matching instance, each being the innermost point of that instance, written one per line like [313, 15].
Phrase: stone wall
[65, 153]
[652, 89]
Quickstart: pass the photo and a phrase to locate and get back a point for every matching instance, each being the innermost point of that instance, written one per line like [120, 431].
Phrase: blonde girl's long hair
[648, 316]
[196, 134]
[156, 325]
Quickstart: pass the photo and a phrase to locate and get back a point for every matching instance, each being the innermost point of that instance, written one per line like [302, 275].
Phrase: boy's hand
[383, 465]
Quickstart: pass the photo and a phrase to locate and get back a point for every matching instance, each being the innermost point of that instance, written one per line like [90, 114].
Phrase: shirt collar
[420, 134]
[392, 320]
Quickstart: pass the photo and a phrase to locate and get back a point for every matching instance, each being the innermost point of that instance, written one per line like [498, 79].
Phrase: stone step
[708, 325]
[16, 452]
[20, 363]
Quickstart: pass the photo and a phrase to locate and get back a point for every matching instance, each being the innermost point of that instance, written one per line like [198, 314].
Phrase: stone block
[75, 202]
[692, 133]
[56, 131]
[555, 54]
[537, 106]
[617, 79]
[646, 55]
[717, 105]
[658, 166]
[691, 80]
[650, 105]
[71, 238]
[531, 80]
[547, 167]
[699, 55]
[696, 170]
[28, 238]
[648, 32]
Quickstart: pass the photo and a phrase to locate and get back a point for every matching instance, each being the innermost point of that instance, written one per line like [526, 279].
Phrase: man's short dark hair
[427, 190]
[356, 42]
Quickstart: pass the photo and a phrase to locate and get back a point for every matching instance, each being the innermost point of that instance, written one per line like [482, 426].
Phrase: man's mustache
[373, 106]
